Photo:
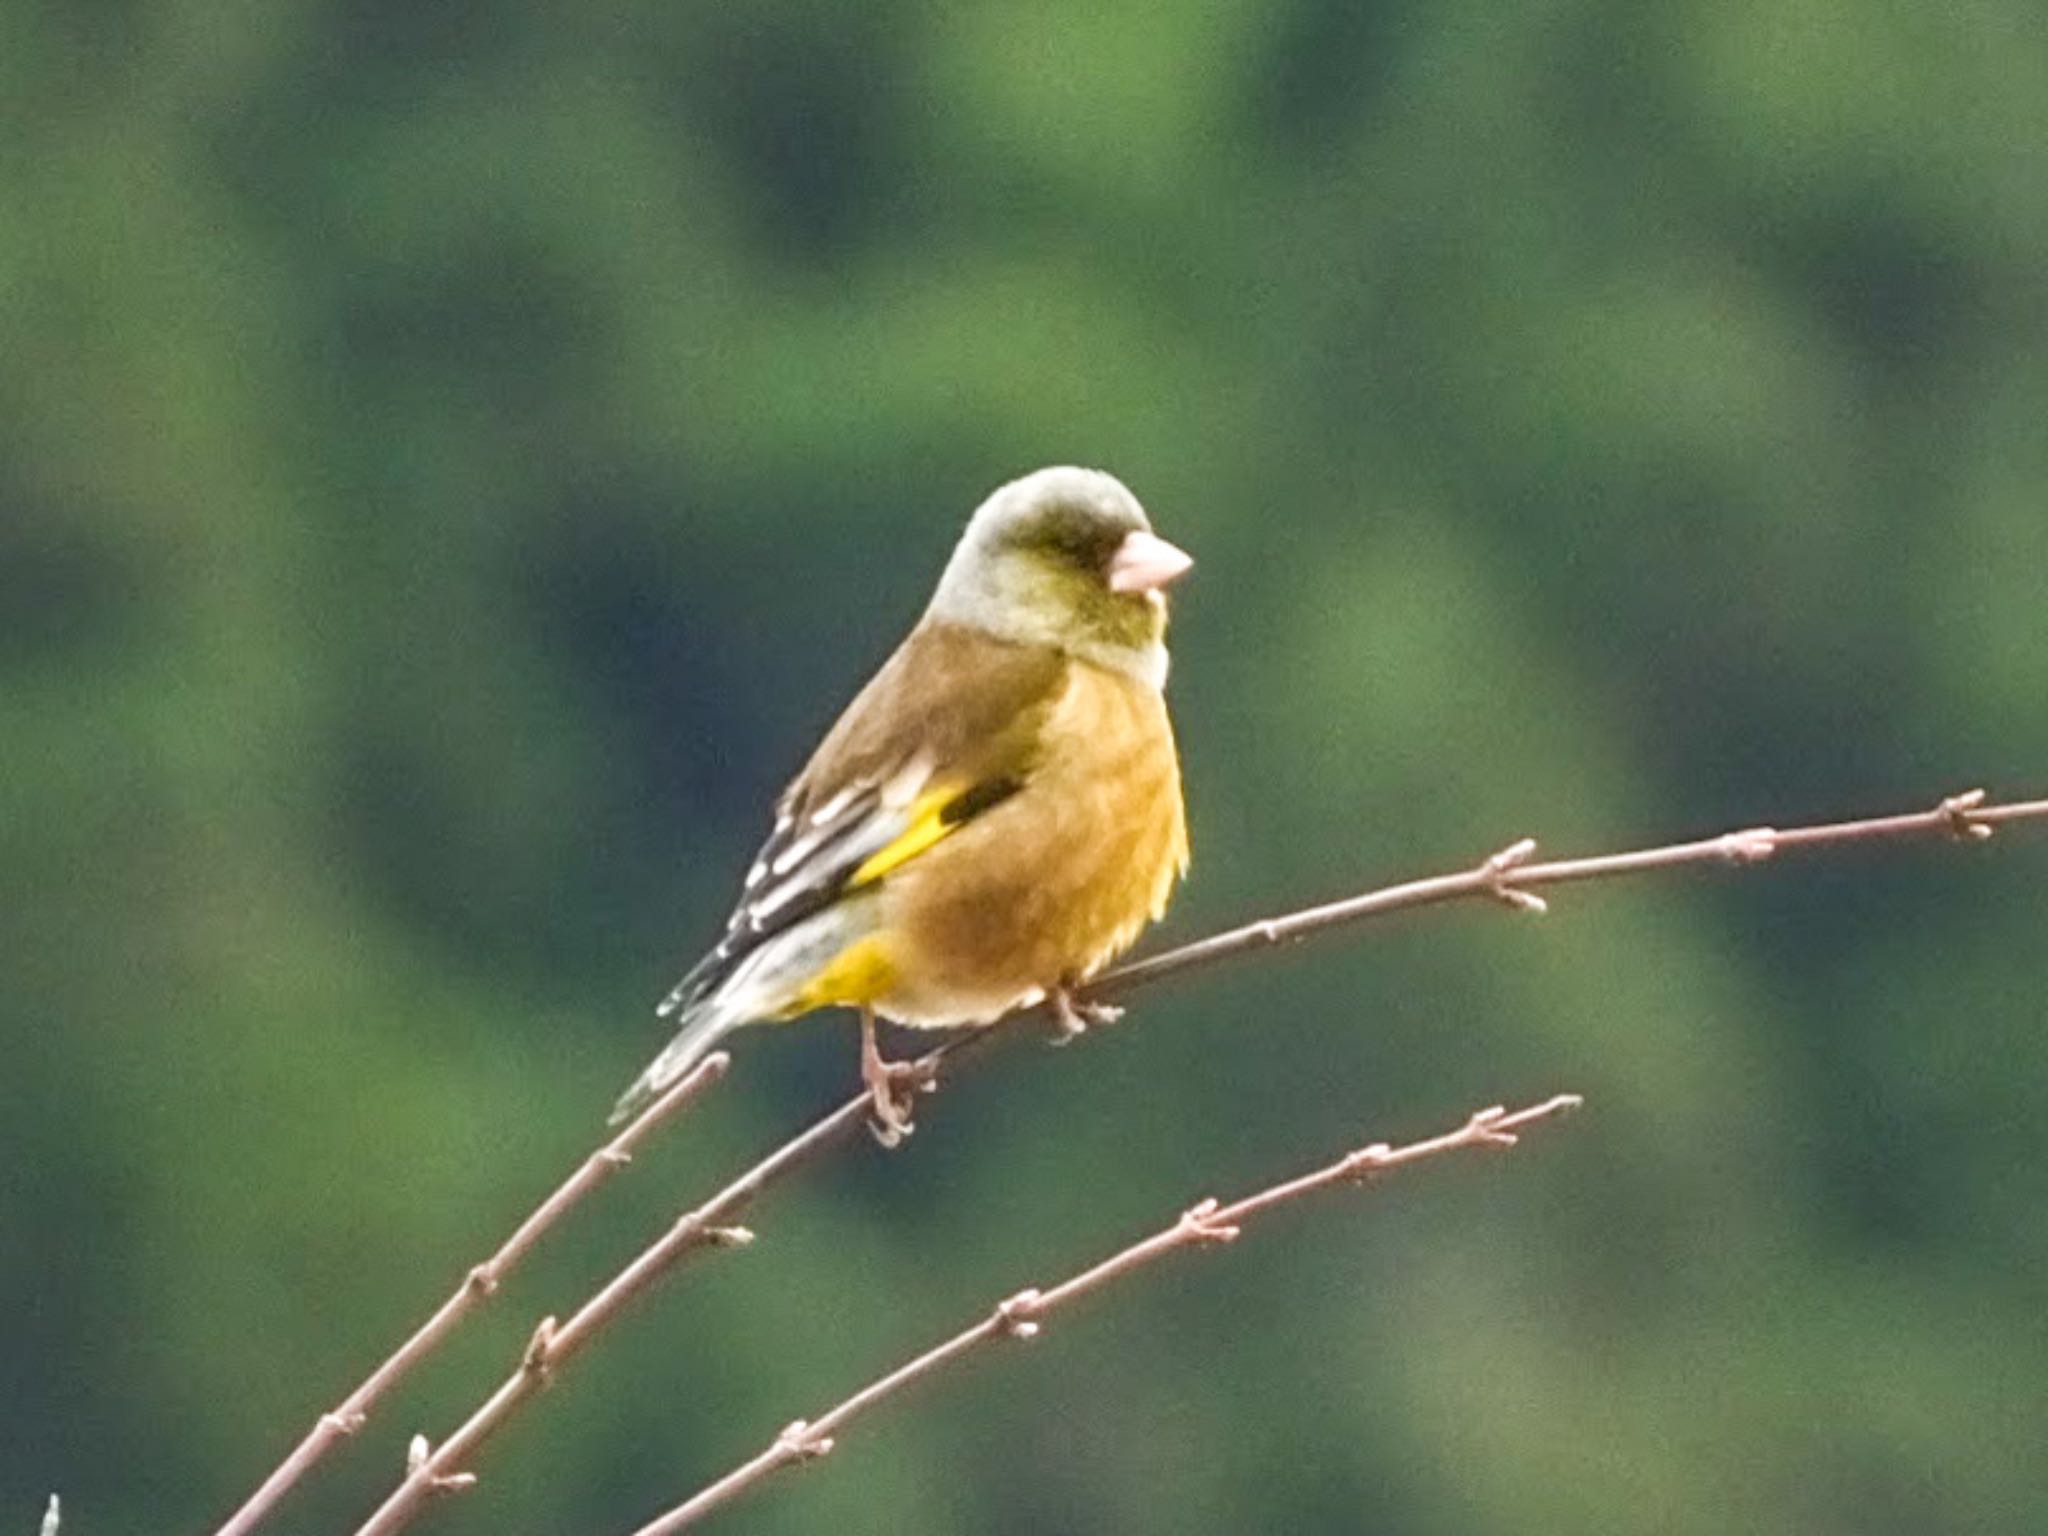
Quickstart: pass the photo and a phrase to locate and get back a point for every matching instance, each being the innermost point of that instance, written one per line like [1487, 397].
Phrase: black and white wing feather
[809, 860]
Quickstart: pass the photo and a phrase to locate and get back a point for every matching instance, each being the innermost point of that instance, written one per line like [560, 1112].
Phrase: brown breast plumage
[1052, 884]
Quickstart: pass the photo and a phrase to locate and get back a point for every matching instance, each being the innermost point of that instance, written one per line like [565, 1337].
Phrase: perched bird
[996, 815]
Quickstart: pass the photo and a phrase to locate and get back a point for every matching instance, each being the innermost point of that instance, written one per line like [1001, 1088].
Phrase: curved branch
[478, 1285]
[1508, 875]
[1504, 877]
[1019, 1316]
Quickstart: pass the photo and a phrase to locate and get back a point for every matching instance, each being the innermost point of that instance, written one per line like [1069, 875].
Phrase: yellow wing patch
[928, 824]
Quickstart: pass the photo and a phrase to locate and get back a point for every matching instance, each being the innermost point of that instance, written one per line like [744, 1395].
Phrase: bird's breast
[1048, 887]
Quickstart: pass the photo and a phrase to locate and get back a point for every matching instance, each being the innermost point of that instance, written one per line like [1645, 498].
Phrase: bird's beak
[1144, 562]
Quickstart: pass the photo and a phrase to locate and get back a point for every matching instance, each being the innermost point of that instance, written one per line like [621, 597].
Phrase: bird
[995, 817]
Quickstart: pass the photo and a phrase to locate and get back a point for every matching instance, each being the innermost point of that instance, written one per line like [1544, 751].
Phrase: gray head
[1065, 557]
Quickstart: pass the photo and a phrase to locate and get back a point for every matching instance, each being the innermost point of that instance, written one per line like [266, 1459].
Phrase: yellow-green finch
[996, 815]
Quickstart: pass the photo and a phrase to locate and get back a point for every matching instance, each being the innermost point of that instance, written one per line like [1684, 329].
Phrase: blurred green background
[455, 458]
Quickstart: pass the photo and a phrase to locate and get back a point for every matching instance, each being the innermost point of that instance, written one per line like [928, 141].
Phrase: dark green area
[454, 460]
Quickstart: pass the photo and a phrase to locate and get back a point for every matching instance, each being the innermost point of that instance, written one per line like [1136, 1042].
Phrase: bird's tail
[726, 989]
[703, 1024]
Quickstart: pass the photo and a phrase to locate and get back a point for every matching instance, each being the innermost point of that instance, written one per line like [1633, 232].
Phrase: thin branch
[478, 1285]
[443, 1468]
[1508, 875]
[1504, 877]
[1020, 1316]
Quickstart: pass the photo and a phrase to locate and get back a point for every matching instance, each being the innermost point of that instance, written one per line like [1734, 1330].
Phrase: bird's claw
[889, 1121]
[890, 1085]
[1073, 1017]
[892, 1088]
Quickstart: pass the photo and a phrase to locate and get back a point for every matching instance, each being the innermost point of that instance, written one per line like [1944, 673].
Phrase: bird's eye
[1076, 539]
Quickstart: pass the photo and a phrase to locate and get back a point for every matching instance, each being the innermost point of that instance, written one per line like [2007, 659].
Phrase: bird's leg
[1071, 1016]
[892, 1115]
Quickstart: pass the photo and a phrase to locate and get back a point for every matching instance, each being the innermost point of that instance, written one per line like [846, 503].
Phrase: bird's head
[1066, 557]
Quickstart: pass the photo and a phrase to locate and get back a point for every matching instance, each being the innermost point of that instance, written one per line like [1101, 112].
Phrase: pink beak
[1144, 562]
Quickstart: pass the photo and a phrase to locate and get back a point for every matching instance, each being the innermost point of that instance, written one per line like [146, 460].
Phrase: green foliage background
[454, 458]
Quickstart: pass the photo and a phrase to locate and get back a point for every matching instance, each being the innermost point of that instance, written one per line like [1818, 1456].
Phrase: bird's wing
[946, 730]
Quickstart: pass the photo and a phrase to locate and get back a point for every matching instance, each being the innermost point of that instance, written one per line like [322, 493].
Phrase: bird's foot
[890, 1094]
[1073, 1017]
[892, 1087]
